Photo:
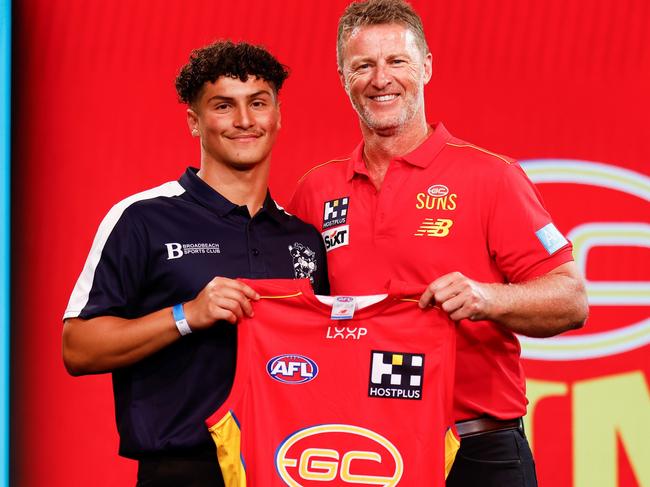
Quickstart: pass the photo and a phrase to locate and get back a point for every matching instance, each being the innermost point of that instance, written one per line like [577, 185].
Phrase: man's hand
[541, 307]
[221, 299]
[459, 296]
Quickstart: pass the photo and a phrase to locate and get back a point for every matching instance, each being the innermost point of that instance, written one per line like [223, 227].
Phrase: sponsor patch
[335, 212]
[304, 261]
[396, 375]
[292, 369]
[177, 250]
[338, 454]
[346, 332]
[438, 190]
[336, 237]
[434, 228]
[551, 238]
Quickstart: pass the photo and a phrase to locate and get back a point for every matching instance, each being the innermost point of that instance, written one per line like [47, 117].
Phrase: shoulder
[141, 204]
[471, 153]
[329, 169]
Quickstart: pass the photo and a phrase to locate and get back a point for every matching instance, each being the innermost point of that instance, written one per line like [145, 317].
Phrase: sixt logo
[336, 237]
[292, 369]
[336, 454]
[437, 197]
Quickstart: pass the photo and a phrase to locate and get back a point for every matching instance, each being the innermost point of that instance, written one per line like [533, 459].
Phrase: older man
[415, 203]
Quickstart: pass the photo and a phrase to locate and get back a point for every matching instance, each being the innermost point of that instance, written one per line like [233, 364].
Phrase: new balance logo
[434, 228]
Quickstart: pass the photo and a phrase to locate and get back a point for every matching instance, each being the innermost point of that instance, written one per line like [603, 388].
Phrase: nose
[380, 76]
[243, 118]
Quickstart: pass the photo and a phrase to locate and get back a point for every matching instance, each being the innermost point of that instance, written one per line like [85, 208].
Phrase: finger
[427, 297]
[451, 306]
[245, 289]
[222, 307]
[235, 295]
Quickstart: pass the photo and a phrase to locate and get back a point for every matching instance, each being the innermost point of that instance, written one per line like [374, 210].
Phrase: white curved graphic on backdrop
[584, 238]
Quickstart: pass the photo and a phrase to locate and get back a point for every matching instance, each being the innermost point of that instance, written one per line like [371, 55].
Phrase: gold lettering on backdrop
[536, 390]
[604, 409]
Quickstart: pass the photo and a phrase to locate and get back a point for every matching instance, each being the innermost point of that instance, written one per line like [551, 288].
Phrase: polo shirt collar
[215, 201]
[421, 156]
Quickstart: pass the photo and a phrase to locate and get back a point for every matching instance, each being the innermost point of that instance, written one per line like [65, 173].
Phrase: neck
[243, 187]
[381, 146]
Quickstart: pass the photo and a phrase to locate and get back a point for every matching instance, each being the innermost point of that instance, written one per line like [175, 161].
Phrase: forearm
[542, 307]
[106, 343]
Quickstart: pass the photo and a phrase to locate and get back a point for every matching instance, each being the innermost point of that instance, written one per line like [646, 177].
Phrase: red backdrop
[96, 119]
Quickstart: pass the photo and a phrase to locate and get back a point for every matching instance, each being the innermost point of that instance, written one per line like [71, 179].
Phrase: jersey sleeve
[302, 203]
[521, 236]
[114, 270]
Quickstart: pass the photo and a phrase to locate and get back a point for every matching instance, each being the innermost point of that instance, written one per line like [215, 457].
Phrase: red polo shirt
[447, 206]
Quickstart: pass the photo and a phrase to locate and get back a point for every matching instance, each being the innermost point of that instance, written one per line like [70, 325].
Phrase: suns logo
[336, 453]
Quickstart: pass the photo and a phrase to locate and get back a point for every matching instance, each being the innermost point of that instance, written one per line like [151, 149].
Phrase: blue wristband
[181, 322]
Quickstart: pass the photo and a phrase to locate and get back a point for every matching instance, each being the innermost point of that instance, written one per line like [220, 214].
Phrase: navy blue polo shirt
[159, 248]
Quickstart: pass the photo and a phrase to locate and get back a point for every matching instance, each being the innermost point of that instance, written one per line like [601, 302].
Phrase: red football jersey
[447, 206]
[321, 398]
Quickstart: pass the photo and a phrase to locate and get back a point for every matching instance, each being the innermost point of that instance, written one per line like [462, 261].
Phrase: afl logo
[438, 190]
[335, 453]
[292, 369]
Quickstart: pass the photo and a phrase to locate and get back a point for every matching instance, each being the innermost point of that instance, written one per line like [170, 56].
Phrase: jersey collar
[422, 156]
[203, 193]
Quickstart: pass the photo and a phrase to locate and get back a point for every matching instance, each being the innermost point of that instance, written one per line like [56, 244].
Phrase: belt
[480, 426]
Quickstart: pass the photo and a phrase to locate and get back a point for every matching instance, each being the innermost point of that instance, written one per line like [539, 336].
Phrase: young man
[157, 297]
[414, 203]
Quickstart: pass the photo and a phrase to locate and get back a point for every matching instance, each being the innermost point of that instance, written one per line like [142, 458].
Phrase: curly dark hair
[226, 58]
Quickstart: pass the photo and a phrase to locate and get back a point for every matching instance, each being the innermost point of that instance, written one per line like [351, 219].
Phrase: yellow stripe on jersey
[227, 436]
[452, 444]
[498, 156]
[321, 165]
[282, 297]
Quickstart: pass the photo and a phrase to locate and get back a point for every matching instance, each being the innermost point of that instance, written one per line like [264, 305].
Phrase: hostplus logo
[396, 375]
[335, 212]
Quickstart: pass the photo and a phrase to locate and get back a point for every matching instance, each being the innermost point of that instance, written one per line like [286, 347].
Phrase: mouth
[384, 98]
[247, 137]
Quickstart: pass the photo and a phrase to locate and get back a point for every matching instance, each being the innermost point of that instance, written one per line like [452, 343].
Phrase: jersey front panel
[449, 206]
[160, 248]
[318, 402]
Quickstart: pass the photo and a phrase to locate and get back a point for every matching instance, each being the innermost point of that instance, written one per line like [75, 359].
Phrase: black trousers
[199, 471]
[498, 459]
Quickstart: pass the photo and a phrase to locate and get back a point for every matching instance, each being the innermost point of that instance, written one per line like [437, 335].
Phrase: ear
[428, 68]
[193, 122]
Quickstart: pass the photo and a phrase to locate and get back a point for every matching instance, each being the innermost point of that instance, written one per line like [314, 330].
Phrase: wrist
[178, 312]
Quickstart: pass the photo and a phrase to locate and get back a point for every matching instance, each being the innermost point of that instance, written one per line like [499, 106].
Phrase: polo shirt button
[256, 252]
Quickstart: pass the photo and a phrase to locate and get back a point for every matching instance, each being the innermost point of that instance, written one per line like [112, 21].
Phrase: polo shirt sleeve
[302, 204]
[521, 236]
[114, 271]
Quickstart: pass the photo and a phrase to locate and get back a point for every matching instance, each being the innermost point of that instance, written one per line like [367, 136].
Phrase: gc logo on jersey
[292, 369]
[335, 212]
[396, 375]
[332, 454]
